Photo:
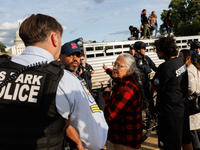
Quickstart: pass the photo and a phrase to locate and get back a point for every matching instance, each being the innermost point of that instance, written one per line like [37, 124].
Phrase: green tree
[2, 47]
[186, 17]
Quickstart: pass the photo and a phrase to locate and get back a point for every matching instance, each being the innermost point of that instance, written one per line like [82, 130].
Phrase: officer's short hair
[36, 28]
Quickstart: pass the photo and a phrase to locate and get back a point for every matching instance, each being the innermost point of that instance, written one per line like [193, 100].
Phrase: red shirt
[123, 112]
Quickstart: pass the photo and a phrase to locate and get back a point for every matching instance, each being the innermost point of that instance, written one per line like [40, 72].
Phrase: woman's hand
[104, 67]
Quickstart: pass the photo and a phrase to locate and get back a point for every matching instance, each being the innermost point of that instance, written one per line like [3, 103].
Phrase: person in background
[195, 48]
[141, 32]
[45, 97]
[145, 64]
[131, 50]
[151, 27]
[145, 23]
[85, 70]
[134, 33]
[153, 22]
[123, 107]
[192, 139]
[171, 84]
[168, 22]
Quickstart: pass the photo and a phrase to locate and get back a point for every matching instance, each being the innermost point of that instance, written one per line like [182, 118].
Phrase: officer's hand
[80, 146]
[92, 71]
[104, 67]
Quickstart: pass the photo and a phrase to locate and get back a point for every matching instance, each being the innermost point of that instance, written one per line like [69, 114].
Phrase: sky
[95, 20]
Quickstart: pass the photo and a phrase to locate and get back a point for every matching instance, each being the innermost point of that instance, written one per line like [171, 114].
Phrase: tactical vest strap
[4, 57]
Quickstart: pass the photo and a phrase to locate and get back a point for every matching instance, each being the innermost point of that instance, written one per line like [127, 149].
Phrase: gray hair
[130, 62]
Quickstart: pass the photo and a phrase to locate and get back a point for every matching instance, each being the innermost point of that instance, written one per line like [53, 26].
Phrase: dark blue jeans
[169, 30]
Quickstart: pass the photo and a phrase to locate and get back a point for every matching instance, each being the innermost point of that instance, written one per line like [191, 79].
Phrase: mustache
[74, 61]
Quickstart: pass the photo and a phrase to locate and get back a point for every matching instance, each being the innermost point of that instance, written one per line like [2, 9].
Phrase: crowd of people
[46, 100]
[149, 26]
[176, 82]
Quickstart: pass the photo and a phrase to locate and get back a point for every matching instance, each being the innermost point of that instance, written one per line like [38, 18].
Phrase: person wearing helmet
[145, 64]
[195, 48]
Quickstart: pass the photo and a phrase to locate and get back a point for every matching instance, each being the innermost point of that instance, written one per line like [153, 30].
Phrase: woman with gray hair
[123, 111]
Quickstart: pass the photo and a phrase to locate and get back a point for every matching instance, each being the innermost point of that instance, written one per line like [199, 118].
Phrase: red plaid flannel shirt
[123, 112]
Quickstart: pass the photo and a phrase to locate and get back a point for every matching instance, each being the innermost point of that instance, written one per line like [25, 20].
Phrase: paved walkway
[151, 142]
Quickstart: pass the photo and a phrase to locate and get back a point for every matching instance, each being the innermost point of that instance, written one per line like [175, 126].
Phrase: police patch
[90, 97]
[156, 82]
[26, 89]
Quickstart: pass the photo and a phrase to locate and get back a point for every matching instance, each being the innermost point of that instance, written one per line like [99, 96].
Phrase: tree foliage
[2, 47]
[186, 17]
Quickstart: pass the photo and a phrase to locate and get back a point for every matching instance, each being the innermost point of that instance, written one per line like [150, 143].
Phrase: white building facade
[18, 47]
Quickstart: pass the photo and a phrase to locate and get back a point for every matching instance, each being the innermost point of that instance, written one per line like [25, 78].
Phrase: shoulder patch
[95, 108]
[89, 95]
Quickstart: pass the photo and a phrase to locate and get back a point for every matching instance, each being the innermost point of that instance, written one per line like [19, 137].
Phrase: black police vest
[143, 65]
[28, 113]
[86, 74]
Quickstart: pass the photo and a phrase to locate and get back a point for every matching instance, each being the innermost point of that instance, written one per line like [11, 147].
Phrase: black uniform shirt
[171, 81]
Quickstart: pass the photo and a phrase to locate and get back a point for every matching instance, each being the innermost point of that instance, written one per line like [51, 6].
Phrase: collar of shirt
[122, 80]
[33, 54]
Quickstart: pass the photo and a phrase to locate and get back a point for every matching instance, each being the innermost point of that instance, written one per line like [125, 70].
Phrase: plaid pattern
[123, 112]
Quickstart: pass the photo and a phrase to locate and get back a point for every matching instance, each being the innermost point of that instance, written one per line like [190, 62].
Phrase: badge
[161, 143]
[89, 95]
[156, 82]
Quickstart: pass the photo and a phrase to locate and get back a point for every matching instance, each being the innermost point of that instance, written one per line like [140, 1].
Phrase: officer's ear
[55, 38]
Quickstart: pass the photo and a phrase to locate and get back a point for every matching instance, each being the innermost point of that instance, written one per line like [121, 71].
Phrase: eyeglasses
[117, 65]
[82, 59]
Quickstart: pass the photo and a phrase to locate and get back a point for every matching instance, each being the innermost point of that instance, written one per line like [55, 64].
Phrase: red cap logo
[74, 46]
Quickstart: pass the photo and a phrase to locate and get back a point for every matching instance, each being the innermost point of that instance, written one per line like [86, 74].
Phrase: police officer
[36, 100]
[195, 48]
[131, 50]
[145, 64]
[85, 70]
[70, 58]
